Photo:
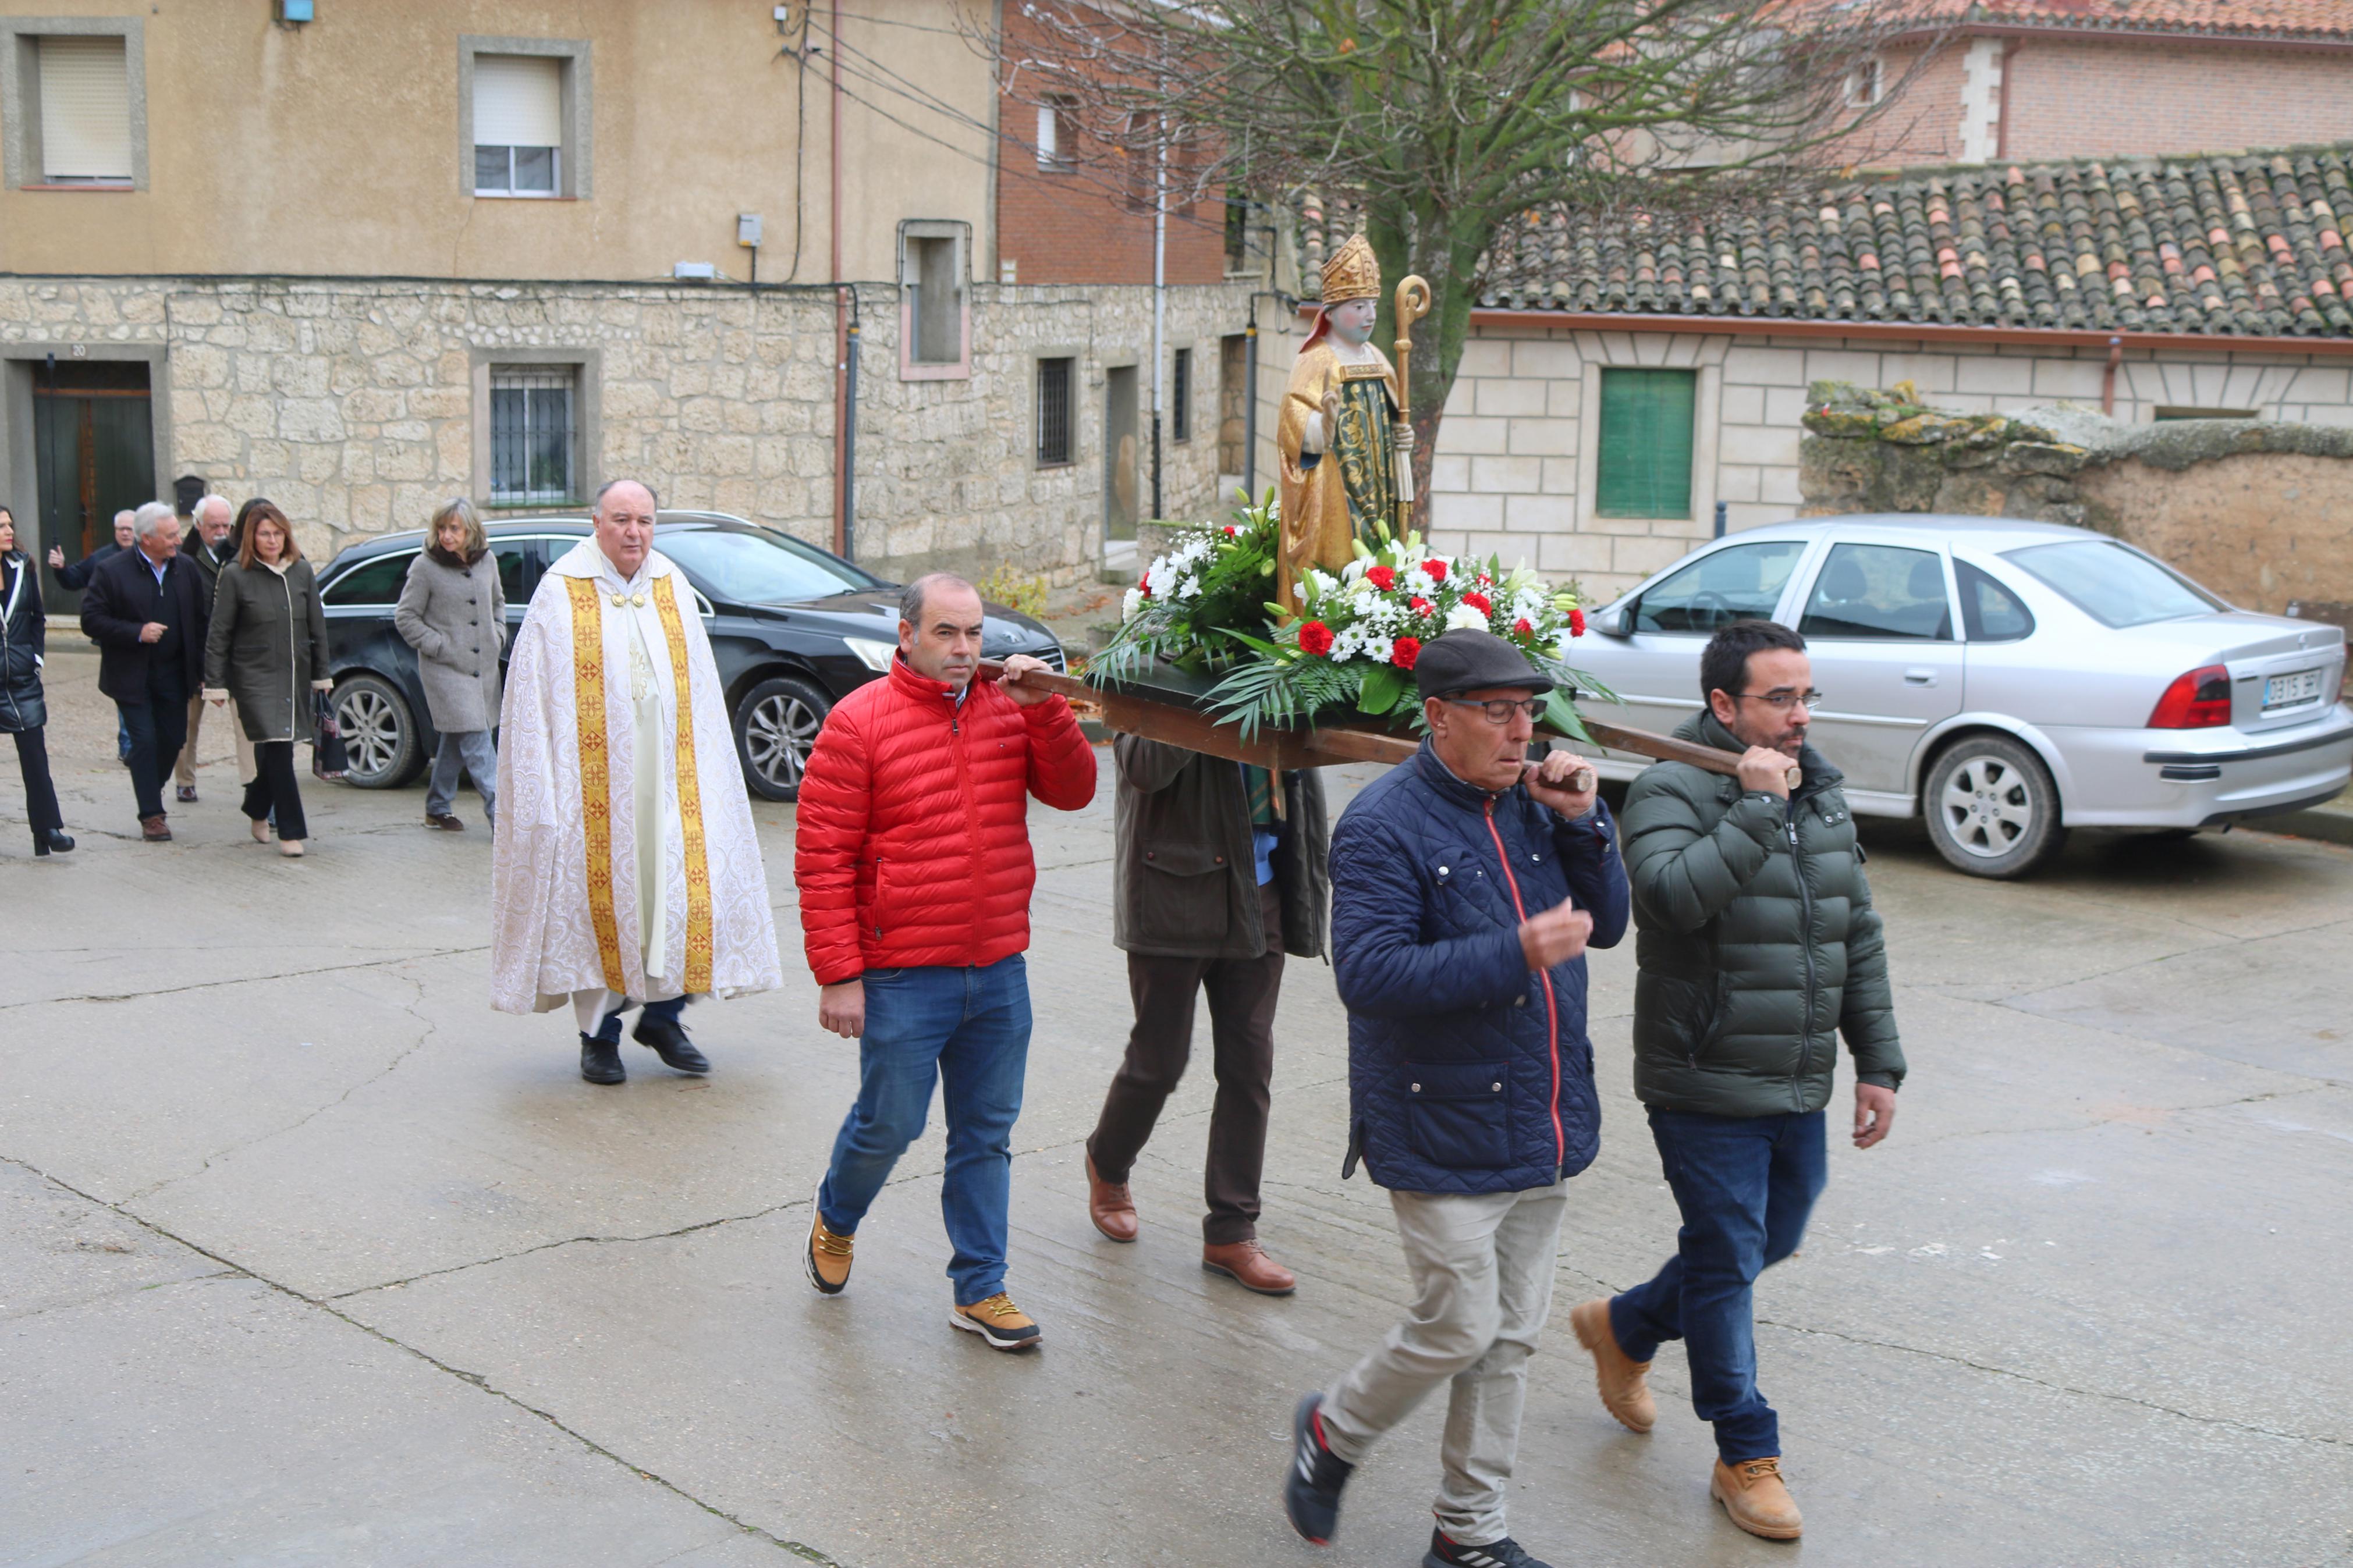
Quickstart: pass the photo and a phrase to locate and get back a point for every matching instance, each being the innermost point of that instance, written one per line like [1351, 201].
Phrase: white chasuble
[624, 863]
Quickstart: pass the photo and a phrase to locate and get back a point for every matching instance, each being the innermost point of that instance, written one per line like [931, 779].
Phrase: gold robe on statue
[1332, 499]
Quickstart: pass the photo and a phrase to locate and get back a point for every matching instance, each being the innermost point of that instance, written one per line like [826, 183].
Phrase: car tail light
[2198, 700]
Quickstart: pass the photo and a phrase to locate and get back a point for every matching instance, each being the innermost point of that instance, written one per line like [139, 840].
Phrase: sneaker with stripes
[1504, 1554]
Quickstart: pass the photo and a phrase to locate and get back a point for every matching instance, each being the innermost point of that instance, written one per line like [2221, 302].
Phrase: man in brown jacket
[1216, 878]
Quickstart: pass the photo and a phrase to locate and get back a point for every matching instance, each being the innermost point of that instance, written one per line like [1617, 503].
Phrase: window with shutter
[85, 92]
[1645, 463]
[518, 125]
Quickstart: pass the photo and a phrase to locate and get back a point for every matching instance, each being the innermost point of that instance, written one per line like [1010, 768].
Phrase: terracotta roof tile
[2245, 245]
[2312, 19]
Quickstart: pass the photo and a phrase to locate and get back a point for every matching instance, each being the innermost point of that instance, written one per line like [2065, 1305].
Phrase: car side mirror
[1617, 621]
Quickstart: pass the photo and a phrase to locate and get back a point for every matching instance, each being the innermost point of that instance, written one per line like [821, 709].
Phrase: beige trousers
[183, 772]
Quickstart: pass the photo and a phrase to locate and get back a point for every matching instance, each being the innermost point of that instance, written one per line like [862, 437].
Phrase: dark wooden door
[93, 434]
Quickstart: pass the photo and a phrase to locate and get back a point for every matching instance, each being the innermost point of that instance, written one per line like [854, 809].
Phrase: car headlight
[874, 656]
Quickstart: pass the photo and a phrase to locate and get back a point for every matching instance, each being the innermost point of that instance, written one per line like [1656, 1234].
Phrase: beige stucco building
[393, 253]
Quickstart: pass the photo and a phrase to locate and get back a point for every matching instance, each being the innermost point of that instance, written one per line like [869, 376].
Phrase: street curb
[2331, 826]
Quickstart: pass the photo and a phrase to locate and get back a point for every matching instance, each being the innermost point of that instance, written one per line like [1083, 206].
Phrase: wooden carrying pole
[1412, 305]
[1280, 750]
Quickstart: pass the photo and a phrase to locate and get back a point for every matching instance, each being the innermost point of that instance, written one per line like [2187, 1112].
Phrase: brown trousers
[1242, 995]
[184, 770]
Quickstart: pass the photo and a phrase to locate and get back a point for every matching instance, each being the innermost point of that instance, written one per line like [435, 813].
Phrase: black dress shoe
[668, 1039]
[601, 1060]
[47, 839]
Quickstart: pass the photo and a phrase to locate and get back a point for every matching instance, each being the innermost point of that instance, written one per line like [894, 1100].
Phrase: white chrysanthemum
[1346, 646]
[1379, 650]
[1189, 589]
[1161, 579]
[1129, 603]
[1364, 605]
[1466, 618]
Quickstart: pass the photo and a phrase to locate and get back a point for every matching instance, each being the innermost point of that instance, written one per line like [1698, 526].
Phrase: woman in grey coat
[268, 649]
[453, 611]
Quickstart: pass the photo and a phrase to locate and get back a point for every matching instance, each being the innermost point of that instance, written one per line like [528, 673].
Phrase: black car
[794, 629]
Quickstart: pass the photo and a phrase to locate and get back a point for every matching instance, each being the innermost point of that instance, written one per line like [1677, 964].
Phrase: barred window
[533, 435]
[1053, 412]
[1181, 396]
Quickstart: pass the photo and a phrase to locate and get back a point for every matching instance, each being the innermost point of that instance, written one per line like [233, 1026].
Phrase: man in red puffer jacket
[914, 871]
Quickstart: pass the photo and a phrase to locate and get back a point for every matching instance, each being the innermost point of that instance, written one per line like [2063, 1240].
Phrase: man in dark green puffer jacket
[1757, 946]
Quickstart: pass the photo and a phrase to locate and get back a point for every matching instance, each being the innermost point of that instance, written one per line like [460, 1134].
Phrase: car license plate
[2287, 690]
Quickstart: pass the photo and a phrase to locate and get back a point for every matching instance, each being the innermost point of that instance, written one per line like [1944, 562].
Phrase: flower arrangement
[1358, 633]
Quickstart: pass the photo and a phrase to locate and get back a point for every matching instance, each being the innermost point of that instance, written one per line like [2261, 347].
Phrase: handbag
[329, 760]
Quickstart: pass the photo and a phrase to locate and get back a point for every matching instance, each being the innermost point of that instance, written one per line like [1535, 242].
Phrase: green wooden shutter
[1646, 443]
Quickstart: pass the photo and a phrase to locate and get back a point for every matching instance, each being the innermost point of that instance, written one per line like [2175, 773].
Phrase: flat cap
[1466, 660]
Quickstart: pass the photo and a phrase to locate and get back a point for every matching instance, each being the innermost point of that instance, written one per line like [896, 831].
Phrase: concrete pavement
[308, 1256]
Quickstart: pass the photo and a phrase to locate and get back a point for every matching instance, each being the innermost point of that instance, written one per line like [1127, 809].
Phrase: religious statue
[1343, 446]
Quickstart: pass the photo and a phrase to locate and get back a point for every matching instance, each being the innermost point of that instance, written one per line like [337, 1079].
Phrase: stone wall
[2259, 511]
[359, 404]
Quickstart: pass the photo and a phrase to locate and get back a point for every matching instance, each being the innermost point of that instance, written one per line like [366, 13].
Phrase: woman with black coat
[268, 649]
[24, 709]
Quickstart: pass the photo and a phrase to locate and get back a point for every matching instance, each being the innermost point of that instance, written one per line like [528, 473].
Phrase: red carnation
[1381, 577]
[1437, 570]
[1419, 605]
[1523, 627]
[1479, 602]
[1231, 531]
[1144, 590]
[1577, 623]
[1315, 638]
[1405, 651]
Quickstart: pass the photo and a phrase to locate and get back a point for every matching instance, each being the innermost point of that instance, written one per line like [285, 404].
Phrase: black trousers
[40, 794]
[273, 789]
[158, 728]
[1242, 995]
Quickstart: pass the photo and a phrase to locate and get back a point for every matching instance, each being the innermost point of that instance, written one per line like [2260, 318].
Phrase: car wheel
[776, 728]
[379, 733]
[1992, 809]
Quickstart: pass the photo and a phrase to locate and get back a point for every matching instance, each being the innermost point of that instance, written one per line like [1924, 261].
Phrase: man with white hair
[145, 610]
[623, 868]
[77, 576]
[208, 544]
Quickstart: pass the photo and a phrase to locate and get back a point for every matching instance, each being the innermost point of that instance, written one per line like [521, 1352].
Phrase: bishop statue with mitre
[625, 871]
[1341, 439]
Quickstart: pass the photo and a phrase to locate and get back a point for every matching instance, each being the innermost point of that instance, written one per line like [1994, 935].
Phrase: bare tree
[1442, 120]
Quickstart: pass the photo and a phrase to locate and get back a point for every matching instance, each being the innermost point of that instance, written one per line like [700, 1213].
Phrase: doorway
[1121, 464]
[1233, 395]
[94, 455]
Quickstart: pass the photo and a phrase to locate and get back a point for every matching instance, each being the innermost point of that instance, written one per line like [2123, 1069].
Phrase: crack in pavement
[2004, 1372]
[410, 1049]
[116, 1294]
[245, 980]
[801, 1550]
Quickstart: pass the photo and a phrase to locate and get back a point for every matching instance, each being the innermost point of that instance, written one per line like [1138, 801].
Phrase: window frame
[1604, 451]
[1069, 454]
[566, 380]
[1803, 551]
[1947, 630]
[1057, 148]
[1966, 574]
[959, 233]
[587, 365]
[573, 163]
[1181, 396]
[20, 96]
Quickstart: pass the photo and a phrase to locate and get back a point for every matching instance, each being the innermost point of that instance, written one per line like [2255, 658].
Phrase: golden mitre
[1353, 273]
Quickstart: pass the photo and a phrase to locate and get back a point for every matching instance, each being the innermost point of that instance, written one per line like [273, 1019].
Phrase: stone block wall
[358, 406]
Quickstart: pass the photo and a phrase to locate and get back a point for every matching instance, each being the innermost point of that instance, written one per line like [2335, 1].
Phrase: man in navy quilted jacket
[1466, 886]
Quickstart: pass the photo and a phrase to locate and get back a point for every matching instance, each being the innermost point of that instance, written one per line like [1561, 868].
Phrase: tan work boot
[1624, 1383]
[1004, 1326]
[828, 1255]
[1753, 1494]
[1247, 1265]
[1110, 1207]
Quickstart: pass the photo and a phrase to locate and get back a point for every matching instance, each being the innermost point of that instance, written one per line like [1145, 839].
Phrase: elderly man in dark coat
[145, 610]
[453, 611]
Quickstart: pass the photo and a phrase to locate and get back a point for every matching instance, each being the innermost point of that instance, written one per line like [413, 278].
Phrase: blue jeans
[969, 1028]
[1745, 1184]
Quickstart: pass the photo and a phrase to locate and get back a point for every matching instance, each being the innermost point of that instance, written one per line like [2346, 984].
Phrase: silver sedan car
[2008, 680]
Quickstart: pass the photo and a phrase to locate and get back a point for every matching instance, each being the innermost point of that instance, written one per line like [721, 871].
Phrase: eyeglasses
[1781, 701]
[1500, 710]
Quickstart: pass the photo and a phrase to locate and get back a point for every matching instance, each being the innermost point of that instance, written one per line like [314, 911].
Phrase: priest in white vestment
[625, 872]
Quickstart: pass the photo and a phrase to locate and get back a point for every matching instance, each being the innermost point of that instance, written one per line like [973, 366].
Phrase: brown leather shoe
[444, 821]
[1753, 1495]
[154, 831]
[1110, 1205]
[1247, 1265]
[1623, 1382]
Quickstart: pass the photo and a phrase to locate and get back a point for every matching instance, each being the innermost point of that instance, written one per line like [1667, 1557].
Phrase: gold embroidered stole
[595, 774]
[596, 785]
[699, 944]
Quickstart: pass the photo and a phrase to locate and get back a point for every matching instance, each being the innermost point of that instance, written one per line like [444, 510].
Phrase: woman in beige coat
[453, 611]
[268, 649]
